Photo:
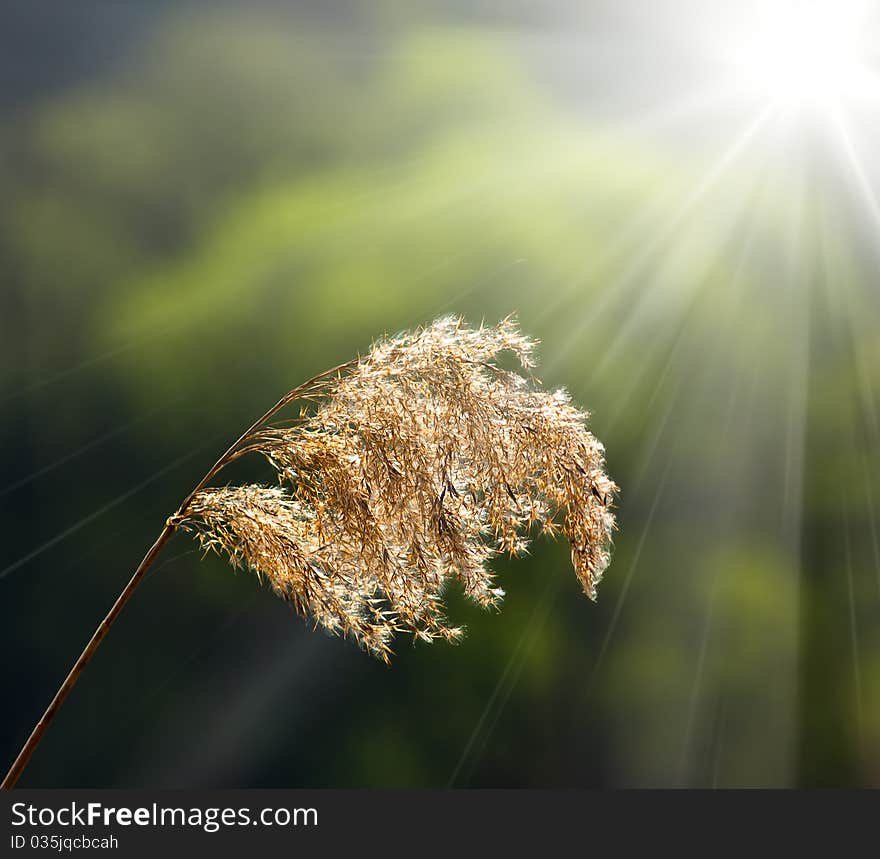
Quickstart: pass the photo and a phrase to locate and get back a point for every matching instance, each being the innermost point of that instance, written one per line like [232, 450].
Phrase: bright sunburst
[808, 54]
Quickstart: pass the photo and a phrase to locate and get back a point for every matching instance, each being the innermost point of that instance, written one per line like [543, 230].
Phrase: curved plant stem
[100, 633]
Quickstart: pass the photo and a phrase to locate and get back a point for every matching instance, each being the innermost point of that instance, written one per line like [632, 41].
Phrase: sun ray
[96, 514]
[693, 700]
[91, 444]
[507, 680]
[863, 182]
[624, 284]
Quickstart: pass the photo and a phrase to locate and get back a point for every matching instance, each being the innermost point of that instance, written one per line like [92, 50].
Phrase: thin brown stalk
[171, 526]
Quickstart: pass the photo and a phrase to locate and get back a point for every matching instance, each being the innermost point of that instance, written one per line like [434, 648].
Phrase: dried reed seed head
[418, 463]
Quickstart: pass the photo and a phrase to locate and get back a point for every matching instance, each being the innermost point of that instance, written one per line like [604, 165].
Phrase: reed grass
[404, 469]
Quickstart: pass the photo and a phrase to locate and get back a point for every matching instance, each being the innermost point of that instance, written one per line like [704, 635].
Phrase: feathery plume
[416, 465]
[413, 466]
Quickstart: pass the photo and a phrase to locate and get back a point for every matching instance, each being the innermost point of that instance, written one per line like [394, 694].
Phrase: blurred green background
[203, 204]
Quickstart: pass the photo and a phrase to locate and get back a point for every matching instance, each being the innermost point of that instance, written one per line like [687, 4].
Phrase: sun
[807, 54]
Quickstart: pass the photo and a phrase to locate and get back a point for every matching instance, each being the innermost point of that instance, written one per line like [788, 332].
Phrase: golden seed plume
[414, 465]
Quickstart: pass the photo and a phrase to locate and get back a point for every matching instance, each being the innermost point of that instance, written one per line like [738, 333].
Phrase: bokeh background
[202, 204]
